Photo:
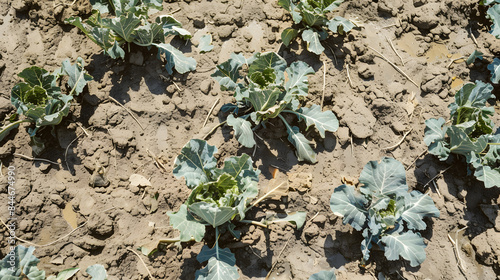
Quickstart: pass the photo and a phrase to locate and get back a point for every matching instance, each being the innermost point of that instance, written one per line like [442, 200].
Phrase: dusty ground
[374, 112]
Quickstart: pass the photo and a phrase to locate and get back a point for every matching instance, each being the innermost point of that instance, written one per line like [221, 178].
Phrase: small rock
[86, 205]
[136, 58]
[343, 134]
[320, 219]
[171, 89]
[418, 3]
[99, 178]
[100, 224]
[365, 72]
[137, 180]
[5, 105]
[311, 231]
[226, 31]
[398, 127]
[206, 86]
[426, 17]
[57, 200]
[44, 167]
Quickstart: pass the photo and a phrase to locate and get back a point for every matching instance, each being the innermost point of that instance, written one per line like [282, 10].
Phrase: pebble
[206, 86]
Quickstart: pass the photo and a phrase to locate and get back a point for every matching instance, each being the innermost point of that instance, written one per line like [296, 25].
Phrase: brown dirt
[374, 114]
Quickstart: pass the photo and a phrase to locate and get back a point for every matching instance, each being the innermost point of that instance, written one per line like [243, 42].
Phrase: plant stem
[213, 129]
[10, 126]
[254, 223]
[284, 121]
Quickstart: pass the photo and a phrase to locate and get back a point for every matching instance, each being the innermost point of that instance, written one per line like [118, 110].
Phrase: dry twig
[128, 111]
[157, 161]
[142, 261]
[453, 60]
[324, 84]
[395, 51]
[348, 75]
[473, 38]
[400, 141]
[460, 261]
[278, 258]
[395, 67]
[439, 174]
[213, 129]
[35, 159]
[210, 112]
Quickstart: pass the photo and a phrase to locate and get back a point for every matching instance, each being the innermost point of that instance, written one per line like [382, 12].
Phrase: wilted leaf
[297, 218]
[288, 35]
[205, 43]
[323, 275]
[65, 274]
[97, 271]
[304, 151]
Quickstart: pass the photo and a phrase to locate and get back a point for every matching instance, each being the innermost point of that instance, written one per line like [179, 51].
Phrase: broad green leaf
[408, 245]
[340, 25]
[435, 138]
[417, 206]
[36, 76]
[101, 5]
[242, 130]
[313, 42]
[263, 61]
[263, 99]
[115, 51]
[103, 38]
[250, 191]
[490, 176]
[288, 35]
[171, 26]
[97, 272]
[205, 43]
[217, 270]
[264, 78]
[323, 121]
[494, 68]
[65, 274]
[212, 214]
[195, 162]
[270, 113]
[297, 218]
[350, 205]
[313, 18]
[492, 157]
[494, 14]
[227, 73]
[175, 58]
[222, 192]
[297, 78]
[471, 95]
[323, 275]
[187, 225]
[290, 6]
[148, 34]
[330, 5]
[20, 261]
[124, 26]
[473, 56]
[383, 179]
[240, 167]
[304, 151]
[77, 76]
[460, 143]
[224, 255]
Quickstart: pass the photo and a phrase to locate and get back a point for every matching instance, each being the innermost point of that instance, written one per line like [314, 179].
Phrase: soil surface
[381, 113]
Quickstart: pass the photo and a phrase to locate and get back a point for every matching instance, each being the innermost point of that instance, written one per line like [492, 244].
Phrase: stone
[365, 72]
[343, 134]
[137, 180]
[206, 86]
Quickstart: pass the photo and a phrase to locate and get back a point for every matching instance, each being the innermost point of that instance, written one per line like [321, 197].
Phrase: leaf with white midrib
[242, 130]
[345, 202]
[175, 59]
[125, 26]
[313, 43]
[408, 245]
[417, 206]
[217, 270]
[382, 179]
[303, 147]
[211, 213]
[323, 121]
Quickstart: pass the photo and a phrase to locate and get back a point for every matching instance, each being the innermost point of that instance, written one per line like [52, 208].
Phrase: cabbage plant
[115, 23]
[471, 133]
[388, 215]
[271, 90]
[312, 23]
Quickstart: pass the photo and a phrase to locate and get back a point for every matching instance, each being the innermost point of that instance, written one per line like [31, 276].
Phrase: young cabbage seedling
[40, 99]
[312, 23]
[270, 90]
[21, 264]
[219, 198]
[471, 133]
[387, 214]
[115, 23]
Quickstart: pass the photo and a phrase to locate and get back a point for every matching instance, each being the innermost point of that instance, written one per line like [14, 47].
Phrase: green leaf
[175, 58]
[20, 261]
[227, 73]
[195, 162]
[340, 25]
[223, 192]
[435, 138]
[304, 151]
[415, 207]
[223, 255]
[36, 76]
[461, 144]
[331, 4]
[77, 76]
[101, 5]
[5, 130]
[97, 272]
[242, 131]
[288, 35]
[346, 203]
[148, 34]
[213, 214]
[298, 218]
[313, 17]
[493, 13]
[66, 274]
[240, 167]
[124, 26]
[313, 42]
[494, 68]
[323, 275]
[217, 270]
[473, 56]
[297, 78]
[171, 26]
[262, 62]
[323, 121]
[205, 43]
[263, 99]
[490, 176]
[290, 6]
[408, 245]
[383, 179]
[471, 95]
[492, 157]
[250, 191]
[187, 225]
